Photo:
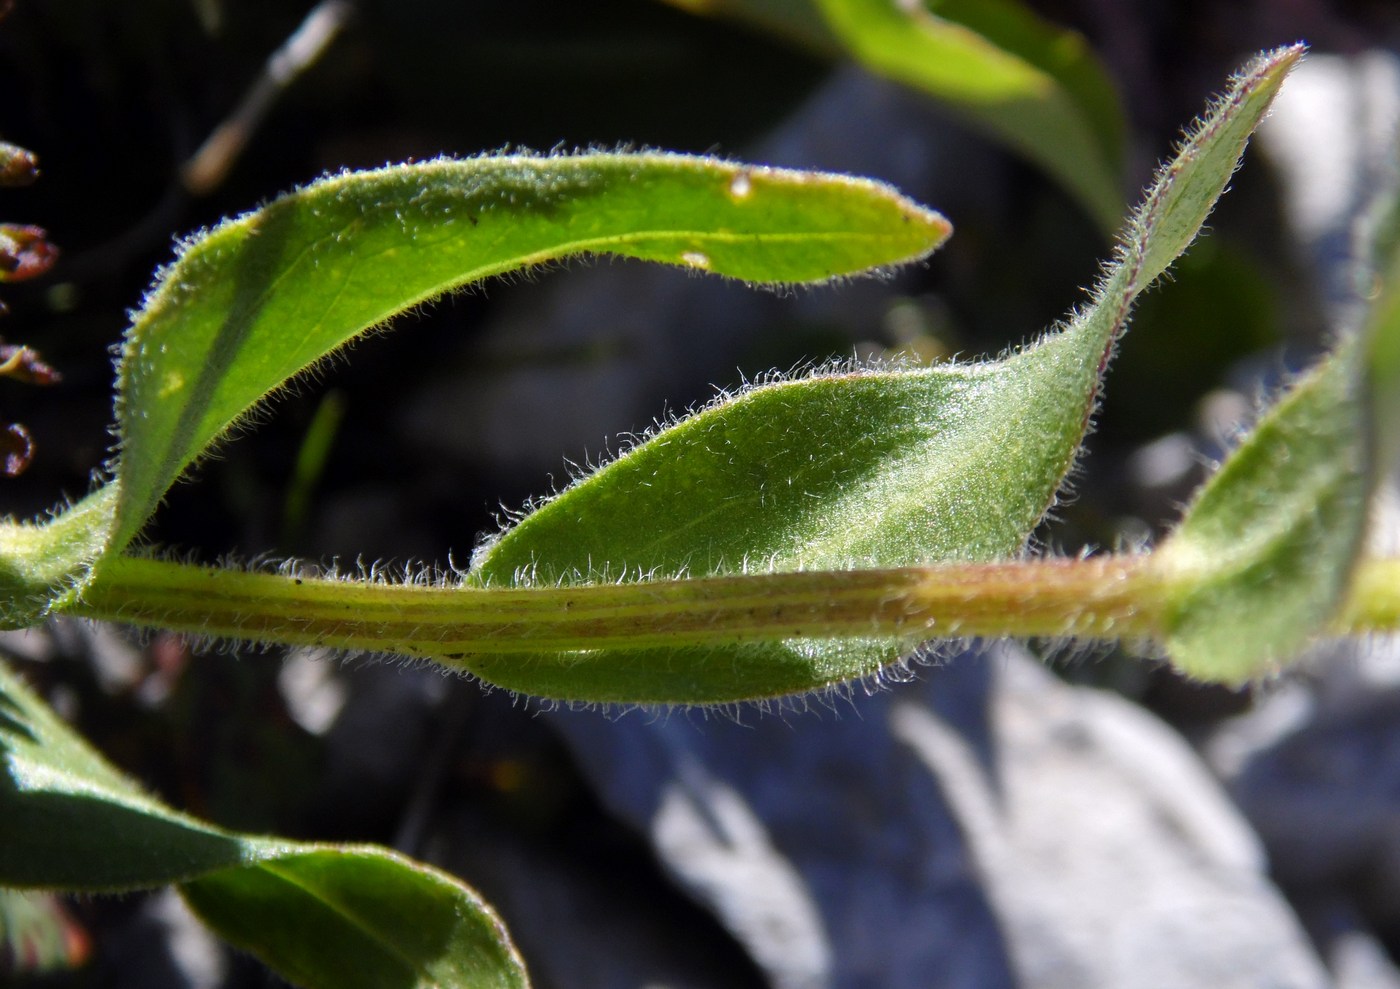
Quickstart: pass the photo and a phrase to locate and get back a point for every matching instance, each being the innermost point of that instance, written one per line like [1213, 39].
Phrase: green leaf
[257, 300]
[41, 562]
[1035, 87]
[68, 820]
[343, 917]
[1266, 555]
[322, 915]
[862, 469]
[854, 469]
[1262, 560]
[1382, 337]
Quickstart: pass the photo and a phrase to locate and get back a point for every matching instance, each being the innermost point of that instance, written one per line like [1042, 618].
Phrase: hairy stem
[1111, 597]
[1058, 597]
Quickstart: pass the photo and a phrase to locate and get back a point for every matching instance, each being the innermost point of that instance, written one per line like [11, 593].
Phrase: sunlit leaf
[255, 301]
[258, 299]
[1265, 556]
[854, 469]
[1262, 559]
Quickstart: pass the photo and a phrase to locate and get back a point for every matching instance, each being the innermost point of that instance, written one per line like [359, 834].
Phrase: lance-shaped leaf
[1035, 87]
[1264, 558]
[322, 915]
[258, 299]
[854, 469]
[255, 301]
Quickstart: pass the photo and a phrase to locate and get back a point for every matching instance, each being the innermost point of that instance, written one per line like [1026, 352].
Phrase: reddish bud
[25, 365]
[17, 166]
[24, 252]
[17, 448]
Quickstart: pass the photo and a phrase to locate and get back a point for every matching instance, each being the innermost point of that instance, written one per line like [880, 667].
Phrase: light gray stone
[987, 825]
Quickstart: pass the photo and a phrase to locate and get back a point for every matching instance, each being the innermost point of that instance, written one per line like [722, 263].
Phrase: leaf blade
[69, 820]
[1027, 106]
[1266, 557]
[387, 920]
[1262, 560]
[255, 301]
[737, 487]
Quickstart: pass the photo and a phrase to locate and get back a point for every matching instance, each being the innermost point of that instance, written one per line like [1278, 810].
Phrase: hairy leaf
[255, 301]
[1262, 559]
[258, 299]
[364, 915]
[1266, 554]
[849, 470]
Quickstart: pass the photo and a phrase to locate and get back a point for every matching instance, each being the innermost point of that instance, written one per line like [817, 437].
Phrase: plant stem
[1110, 597]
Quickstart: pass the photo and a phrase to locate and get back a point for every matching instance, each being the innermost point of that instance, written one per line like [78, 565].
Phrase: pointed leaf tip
[874, 469]
[1187, 188]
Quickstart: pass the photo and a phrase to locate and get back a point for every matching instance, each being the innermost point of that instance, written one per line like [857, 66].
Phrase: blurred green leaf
[1035, 87]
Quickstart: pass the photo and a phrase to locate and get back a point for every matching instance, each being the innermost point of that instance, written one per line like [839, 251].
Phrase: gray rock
[987, 825]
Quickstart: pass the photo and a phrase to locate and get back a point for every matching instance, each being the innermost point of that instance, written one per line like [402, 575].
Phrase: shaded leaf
[68, 820]
[322, 915]
[343, 917]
